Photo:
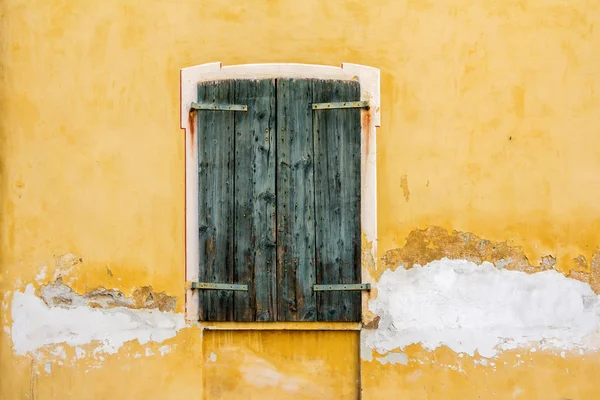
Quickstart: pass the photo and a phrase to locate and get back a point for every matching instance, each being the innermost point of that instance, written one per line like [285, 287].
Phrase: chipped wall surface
[488, 168]
[72, 321]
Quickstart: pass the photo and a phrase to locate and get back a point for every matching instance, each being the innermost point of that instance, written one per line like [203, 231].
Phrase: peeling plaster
[42, 275]
[59, 295]
[36, 324]
[65, 264]
[434, 243]
[471, 308]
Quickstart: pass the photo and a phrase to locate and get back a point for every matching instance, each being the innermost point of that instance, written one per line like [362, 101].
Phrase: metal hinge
[347, 104]
[219, 107]
[348, 286]
[219, 286]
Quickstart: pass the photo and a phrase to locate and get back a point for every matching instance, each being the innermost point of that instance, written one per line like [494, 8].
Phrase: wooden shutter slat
[215, 199]
[255, 238]
[295, 201]
[337, 199]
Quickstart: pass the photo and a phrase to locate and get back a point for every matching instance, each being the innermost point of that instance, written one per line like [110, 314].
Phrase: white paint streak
[36, 325]
[470, 308]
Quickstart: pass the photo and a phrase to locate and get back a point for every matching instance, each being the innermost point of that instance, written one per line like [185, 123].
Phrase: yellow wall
[490, 110]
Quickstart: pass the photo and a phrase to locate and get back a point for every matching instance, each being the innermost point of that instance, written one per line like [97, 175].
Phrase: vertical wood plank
[295, 201]
[215, 199]
[337, 199]
[255, 237]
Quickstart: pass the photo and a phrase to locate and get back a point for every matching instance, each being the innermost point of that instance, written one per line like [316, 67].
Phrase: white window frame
[369, 79]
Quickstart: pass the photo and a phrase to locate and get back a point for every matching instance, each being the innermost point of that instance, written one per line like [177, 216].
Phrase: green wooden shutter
[337, 198]
[295, 201]
[279, 200]
[255, 237]
[236, 155]
[318, 200]
[215, 199]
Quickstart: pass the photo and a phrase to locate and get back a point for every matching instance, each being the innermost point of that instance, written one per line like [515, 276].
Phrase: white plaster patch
[48, 367]
[471, 308]
[212, 357]
[42, 275]
[59, 352]
[36, 325]
[366, 352]
[394, 358]
[79, 352]
[164, 350]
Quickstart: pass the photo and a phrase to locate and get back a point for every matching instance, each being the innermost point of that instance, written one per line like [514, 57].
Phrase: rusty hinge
[346, 104]
[219, 286]
[344, 286]
[219, 107]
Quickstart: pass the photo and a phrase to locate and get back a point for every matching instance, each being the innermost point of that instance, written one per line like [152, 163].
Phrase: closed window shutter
[279, 200]
[236, 201]
[255, 235]
[295, 201]
[337, 199]
[216, 154]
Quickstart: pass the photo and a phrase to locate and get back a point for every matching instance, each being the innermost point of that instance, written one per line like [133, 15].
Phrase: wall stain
[404, 185]
[192, 116]
[366, 128]
[58, 294]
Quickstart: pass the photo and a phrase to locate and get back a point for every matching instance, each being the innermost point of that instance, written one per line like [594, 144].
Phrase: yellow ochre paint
[490, 109]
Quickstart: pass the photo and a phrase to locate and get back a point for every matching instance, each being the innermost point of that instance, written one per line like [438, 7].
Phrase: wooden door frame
[369, 79]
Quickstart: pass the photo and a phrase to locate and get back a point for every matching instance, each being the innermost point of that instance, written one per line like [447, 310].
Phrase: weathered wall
[490, 119]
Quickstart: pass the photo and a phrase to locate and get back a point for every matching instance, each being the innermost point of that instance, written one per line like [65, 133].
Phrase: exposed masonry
[434, 243]
[58, 294]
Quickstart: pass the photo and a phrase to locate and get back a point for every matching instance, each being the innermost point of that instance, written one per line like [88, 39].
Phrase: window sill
[283, 326]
